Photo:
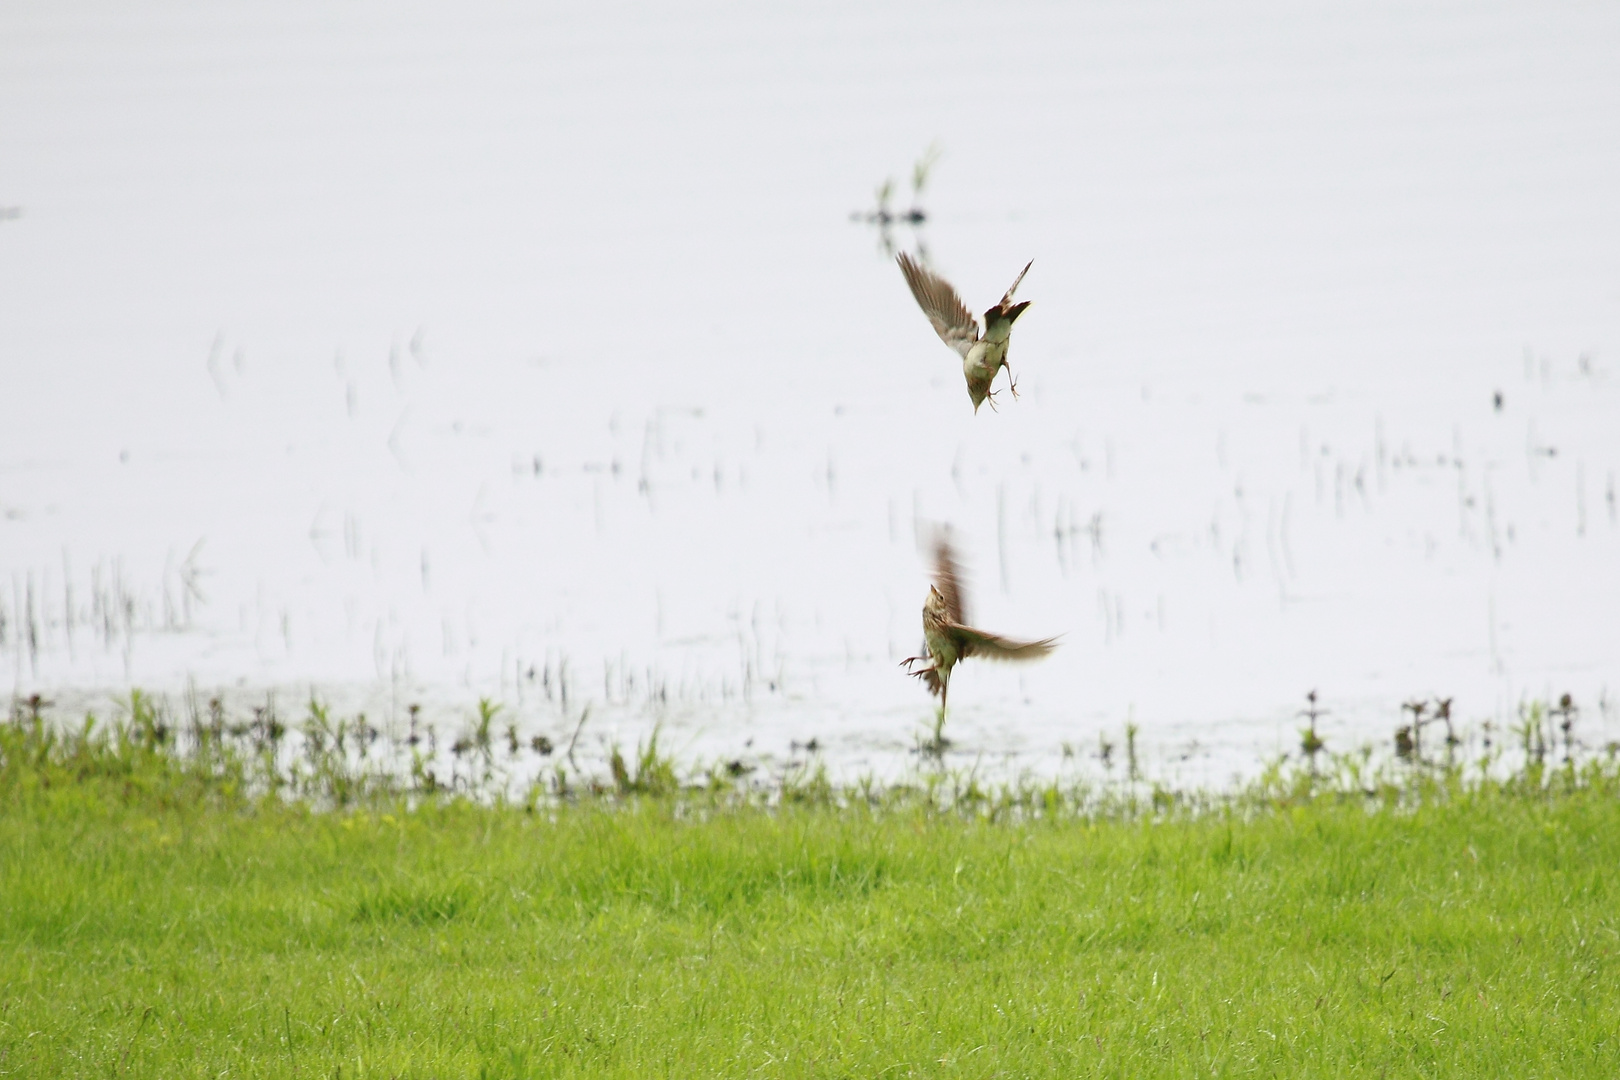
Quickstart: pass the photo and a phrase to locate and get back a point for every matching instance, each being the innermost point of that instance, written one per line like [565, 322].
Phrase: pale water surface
[418, 353]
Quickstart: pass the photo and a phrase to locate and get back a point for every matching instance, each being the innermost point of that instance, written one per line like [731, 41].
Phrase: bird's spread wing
[948, 579]
[996, 647]
[951, 319]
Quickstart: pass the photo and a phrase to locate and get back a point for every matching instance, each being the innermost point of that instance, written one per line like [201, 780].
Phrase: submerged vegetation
[208, 896]
[324, 761]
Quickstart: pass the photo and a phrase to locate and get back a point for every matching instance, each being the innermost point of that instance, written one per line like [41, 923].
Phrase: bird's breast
[939, 643]
[984, 359]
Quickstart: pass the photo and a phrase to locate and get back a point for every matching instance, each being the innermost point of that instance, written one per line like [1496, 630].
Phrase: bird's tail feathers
[1005, 300]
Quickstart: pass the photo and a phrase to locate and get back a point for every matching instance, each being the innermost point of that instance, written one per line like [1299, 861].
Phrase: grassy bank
[160, 920]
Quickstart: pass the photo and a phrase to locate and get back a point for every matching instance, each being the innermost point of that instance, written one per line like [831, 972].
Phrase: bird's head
[979, 391]
[935, 604]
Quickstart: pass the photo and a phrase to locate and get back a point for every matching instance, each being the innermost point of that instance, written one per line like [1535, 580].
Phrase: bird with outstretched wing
[982, 355]
[947, 639]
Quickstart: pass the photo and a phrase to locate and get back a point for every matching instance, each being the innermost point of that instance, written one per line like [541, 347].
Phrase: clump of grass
[130, 760]
[654, 773]
[419, 906]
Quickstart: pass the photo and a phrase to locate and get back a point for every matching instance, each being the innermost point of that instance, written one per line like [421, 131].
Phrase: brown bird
[983, 356]
[946, 636]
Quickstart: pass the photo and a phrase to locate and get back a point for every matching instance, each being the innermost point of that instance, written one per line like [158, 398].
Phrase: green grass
[175, 927]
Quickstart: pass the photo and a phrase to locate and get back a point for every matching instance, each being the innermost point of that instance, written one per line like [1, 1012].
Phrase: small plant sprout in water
[882, 215]
[584, 715]
[1530, 730]
[1567, 711]
[1442, 713]
[920, 172]
[885, 217]
[1404, 746]
[482, 737]
[1309, 740]
[365, 733]
[1409, 739]
[935, 744]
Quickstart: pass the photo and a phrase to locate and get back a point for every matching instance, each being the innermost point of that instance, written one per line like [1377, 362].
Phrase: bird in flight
[982, 356]
[948, 639]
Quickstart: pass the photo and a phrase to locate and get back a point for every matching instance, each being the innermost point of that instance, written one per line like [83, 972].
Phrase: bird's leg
[936, 745]
[1012, 380]
[990, 399]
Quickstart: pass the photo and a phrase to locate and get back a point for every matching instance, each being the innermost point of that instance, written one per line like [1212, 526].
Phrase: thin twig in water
[584, 714]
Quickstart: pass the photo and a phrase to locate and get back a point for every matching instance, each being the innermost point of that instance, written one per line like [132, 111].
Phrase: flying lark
[983, 356]
[946, 636]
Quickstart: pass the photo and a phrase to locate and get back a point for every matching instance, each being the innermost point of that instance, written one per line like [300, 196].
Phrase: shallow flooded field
[548, 358]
